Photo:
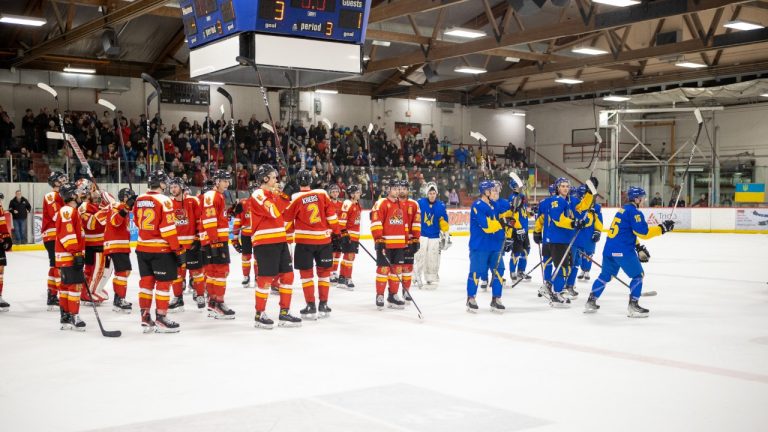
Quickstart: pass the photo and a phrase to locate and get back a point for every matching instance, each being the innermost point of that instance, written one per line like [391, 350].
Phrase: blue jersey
[485, 232]
[434, 218]
[558, 227]
[594, 221]
[628, 224]
[541, 218]
[519, 210]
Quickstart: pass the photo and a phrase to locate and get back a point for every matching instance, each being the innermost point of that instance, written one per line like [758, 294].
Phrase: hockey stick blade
[105, 333]
[221, 108]
[513, 175]
[153, 82]
[268, 127]
[107, 104]
[530, 127]
[370, 128]
[54, 135]
[327, 123]
[697, 114]
[649, 294]
[49, 89]
[591, 187]
[598, 137]
[225, 93]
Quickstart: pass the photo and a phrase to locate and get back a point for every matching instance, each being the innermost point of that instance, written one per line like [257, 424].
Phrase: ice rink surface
[698, 363]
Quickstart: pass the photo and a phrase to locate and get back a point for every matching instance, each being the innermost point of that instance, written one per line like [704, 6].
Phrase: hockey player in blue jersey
[560, 227]
[585, 239]
[588, 247]
[521, 245]
[503, 210]
[434, 238]
[538, 237]
[621, 252]
[486, 239]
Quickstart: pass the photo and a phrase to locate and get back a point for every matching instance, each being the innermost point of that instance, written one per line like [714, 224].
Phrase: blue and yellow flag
[750, 192]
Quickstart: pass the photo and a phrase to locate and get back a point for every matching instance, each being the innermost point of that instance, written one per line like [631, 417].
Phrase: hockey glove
[123, 212]
[238, 208]
[520, 235]
[380, 246]
[7, 243]
[236, 244]
[537, 237]
[345, 241]
[577, 223]
[642, 253]
[667, 226]
[335, 241]
[131, 201]
[414, 247]
[181, 258]
[595, 236]
[78, 261]
[508, 243]
[445, 240]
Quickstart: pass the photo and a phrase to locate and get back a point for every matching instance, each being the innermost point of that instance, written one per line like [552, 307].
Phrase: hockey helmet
[486, 185]
[304, 178]
[580, 191]
[334, 186]
[156, 179]
[551, 189]
[221, 174]
[635, 192]
[404, 183]
[252, 186]
[432, 186]
[125, 193]
[394, 182]
[56, 176]
[352, 189]
[178, 181]
[263, 172]
[68, 192]
[83, 186]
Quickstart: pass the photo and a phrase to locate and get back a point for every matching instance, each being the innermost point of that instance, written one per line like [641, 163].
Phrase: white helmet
[430, 186]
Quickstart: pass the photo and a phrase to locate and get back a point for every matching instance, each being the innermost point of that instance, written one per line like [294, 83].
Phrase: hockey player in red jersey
[205, 251]
[52, 203]
[93, 214]
[349, 226]
[242, 232]
[70, 248]
[333, 192]
[412, 217]
[271, 249]
[117, 248]
[216, 226]
[6, 242]
[187, 213]
[314, 220]
[282, 200]
[389, 230]
[158, 253]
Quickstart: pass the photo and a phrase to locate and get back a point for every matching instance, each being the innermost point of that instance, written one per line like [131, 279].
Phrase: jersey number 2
[314, 213]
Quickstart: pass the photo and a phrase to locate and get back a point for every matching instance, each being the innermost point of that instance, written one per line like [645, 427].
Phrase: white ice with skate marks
[699, 362]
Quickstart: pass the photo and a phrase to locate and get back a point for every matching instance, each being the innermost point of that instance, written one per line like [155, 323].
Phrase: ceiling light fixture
[616, 98]
[512, 59]
[589, 50]
[327, 91]
[464, 33]
[519, 114]
[211, 83]
[569, 81]
[79, 70]
[382, 43]
[22, 20]
[617, 3]
[690, 64]
[470, 70]
[426, 99]
[765, 95]
[743, 25]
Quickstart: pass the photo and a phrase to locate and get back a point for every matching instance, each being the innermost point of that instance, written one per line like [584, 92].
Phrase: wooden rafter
[173, 45]
[399, 8]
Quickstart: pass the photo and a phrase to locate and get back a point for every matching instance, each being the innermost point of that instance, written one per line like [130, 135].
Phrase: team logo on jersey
[168, 205]
[397, 218]
[181, 217]
[429, 219]
[208, 200]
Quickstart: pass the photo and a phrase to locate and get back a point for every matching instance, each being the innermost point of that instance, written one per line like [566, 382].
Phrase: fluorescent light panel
[765, 95]
[690, 64]
[617, 3]
[79, 70]
[519, 114]
[426, 99]
[589, 51]
[616, 98]
[743, 25]
[465, 33]
[22, 20]
[470, 70]
[326, 91]
[512, 59]
[211, 83]
[382, 43]
[568, 81]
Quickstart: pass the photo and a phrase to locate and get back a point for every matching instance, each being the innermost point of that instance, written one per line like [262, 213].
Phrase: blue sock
[472, 281]
[522, 262]
[559, 281]
[599, 286]
[571, 272]
[636, 287]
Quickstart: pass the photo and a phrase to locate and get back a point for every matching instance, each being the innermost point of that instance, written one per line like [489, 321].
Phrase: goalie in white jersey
[434, 238]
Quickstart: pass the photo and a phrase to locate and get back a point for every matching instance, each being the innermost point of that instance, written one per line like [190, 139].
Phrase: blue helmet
[560, 181]
[551, 189]
[635, 192]
[486, 185]
[580, 191]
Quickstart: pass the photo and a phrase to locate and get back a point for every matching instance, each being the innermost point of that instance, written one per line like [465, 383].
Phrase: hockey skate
[407, 297]
[545, 291]
[471, 305]
[591, 306]
[287, 320]
[344, 283]
[4, 306]
[586, 276]
[394, 302]
[165, 325]
[64, 321]
[524, 277]
[177, 305]
[246, 282]
[52, 301]
[334, 277]
[484, 286]
[220, 311]
[262, 321]
[497, 306]
[580, 277]
[380, 302]
[569, 292]
[309, 312]
[76, 323]
[323, 310]
[417, 282]
[119, 304]
[556, 300]
[147, 325]
[200, 301]
[634, 310]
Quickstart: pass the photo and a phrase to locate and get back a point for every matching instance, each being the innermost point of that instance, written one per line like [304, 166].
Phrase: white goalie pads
[445, 240]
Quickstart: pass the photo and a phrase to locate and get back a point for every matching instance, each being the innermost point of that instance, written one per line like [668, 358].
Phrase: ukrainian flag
[750, 192]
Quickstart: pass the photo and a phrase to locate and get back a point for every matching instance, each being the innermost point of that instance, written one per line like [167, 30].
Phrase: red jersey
[388, 224]
[412, 218]
[242, 222]
[52, 203]
[214, 215]
[117, 236]
[282, 200]
[187, 214]
[313, 217]
[350, 219]
[4, 230]
[266, 219]
[94, 222]
[337, 205]
[201, 234]
[156, 223]
[70, 238]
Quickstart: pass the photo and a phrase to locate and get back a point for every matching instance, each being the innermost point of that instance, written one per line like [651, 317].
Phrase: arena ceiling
[527, 45]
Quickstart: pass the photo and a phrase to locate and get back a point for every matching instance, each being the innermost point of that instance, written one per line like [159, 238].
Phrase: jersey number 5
[614, 228]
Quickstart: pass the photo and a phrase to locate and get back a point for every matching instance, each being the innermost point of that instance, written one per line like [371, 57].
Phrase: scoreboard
[336, 20]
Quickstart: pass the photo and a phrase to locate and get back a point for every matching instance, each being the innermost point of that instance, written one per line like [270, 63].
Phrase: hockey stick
[389, 264]
[151, 96]
[105, 333]
[527, 274]
[110, 106]
[228, 96]
[158, 92]
[531, 128]
[55, 95]
[278, 143]
[700, 120]
[644, 294]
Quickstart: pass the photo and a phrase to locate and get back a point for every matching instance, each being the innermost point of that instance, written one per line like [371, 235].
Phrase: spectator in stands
[453, 198]
[6, 131]
[510, 154]
[19, 208]
[702, 202]
[28, 126]
[461, 156]
[24, 165]
[656, 201]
